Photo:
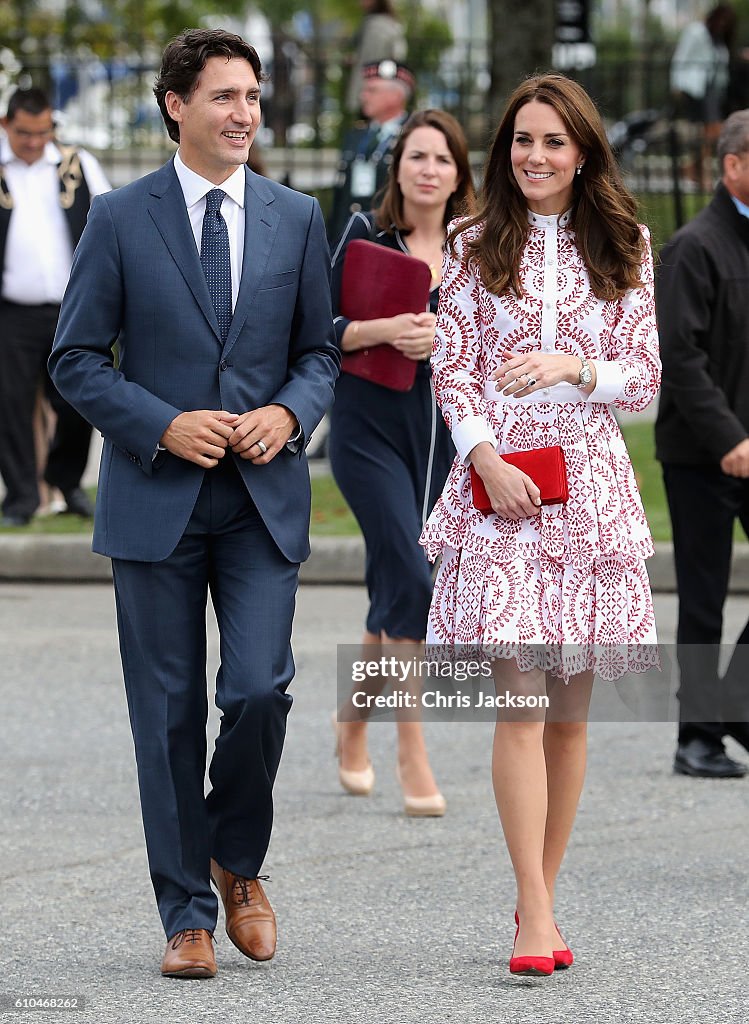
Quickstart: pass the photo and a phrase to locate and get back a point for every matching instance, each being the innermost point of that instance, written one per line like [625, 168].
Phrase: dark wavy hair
[604, 214]
[389, 213]
[185, 57]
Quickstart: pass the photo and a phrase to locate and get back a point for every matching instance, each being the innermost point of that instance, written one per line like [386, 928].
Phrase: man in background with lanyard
[45, 194]
[366, 156]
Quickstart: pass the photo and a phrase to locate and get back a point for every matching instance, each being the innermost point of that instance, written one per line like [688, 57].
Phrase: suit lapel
[260, 228]
[169, 214]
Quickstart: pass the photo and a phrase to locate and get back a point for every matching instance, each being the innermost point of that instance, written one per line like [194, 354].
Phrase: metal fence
[108, 106]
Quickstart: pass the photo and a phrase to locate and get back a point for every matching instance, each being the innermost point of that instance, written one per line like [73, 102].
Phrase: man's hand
[736, 462]
[200, 437]
[272, 425]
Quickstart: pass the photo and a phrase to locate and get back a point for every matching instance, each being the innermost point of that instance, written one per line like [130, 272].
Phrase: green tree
[521, 35]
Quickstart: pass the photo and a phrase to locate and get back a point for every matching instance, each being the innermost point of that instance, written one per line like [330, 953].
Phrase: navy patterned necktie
[215, 259]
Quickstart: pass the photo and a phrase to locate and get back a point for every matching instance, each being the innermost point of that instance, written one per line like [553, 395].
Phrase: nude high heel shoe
[432, 806]
[357, 783]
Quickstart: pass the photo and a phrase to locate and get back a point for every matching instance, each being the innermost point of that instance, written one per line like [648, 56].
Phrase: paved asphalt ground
[382, 919]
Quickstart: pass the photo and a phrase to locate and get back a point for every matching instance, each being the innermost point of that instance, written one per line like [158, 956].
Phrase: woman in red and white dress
[546, 323]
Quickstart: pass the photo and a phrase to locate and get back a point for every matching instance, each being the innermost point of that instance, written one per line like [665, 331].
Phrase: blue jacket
[137, 281]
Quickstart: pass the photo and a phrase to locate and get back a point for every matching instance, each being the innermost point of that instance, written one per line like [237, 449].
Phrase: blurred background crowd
[643, 61]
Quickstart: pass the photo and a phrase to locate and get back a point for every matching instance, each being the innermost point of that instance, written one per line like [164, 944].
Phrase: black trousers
[226, 551]
[26, 336]
[704, 504]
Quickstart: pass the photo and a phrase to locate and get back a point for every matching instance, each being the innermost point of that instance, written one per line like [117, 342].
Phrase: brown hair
[185, 57]
[604, 214]
[389, 213]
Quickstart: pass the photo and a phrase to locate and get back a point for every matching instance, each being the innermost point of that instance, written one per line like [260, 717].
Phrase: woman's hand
[522, 374]
[511, 492]
[411, 333]
[414, 334]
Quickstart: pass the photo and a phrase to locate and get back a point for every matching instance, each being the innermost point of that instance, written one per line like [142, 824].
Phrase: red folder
[546, 468]
[382, 282]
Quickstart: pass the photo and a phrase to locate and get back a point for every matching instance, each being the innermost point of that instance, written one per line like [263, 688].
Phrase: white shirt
[195, 188]
[39, 251]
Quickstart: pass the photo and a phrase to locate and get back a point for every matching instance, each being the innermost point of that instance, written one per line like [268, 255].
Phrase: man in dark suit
[366, 154]
[214, 282]
[702, 439]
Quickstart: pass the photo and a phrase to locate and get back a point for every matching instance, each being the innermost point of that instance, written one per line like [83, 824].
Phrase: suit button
[223, 364]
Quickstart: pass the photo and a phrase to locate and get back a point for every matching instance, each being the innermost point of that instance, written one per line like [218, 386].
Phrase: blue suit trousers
[228, 552]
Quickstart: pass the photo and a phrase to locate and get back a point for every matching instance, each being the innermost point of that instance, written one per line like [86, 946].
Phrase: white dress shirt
[195, 188]
[38, 250]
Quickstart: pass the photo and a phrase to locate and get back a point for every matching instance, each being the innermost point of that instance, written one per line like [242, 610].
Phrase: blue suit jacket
[137, 280]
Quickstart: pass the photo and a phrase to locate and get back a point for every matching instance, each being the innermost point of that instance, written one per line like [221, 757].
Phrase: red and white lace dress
[566, 590]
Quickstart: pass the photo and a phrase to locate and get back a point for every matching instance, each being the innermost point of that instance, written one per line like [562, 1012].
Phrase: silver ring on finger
[263, 448]
[531, 380]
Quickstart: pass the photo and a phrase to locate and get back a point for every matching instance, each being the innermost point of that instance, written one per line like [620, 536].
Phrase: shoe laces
[187, 935]
[241, 890]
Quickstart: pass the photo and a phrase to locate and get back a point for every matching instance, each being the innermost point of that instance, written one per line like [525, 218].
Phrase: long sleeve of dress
[458, 373]
[629, 374]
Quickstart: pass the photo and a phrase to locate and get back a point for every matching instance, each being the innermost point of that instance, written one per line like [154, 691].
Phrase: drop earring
[579, 169]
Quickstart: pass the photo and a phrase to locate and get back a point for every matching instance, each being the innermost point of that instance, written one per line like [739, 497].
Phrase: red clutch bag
[545, 467]
[381, 282]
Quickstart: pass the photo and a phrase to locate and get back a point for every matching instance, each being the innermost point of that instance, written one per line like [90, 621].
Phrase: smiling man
[214, 281]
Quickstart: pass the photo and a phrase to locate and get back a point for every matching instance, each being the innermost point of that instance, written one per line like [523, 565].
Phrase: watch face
[586, 375]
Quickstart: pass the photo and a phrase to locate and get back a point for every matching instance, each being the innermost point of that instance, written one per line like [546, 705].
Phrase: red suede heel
[563, 958]
[530, 966]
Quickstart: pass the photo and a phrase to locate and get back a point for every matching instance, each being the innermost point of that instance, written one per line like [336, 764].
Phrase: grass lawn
[657, 211]
[331, 515]
[641, 445]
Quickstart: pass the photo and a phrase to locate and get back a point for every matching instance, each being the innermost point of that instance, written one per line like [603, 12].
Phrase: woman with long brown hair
[546, 321]
[390, 450]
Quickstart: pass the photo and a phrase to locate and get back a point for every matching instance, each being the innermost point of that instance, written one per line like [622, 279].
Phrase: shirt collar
[391, 127]
[51, 155]
[560, 220]
[741, 207]
[195, 187]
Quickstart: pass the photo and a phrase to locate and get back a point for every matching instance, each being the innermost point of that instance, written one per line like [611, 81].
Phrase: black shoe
[738, 731]
[15, 521]
[706, 761]
[78, 503]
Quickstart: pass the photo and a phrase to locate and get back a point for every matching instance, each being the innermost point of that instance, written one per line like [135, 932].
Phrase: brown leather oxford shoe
[189, 954]
[250, 921]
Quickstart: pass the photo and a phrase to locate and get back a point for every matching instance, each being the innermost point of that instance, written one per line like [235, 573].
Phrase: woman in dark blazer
[390, 450]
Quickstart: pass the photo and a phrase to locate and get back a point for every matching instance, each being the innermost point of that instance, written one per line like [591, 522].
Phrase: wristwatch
[586, 373]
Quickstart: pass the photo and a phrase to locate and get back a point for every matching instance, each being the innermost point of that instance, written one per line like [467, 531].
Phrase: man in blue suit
[213, 282]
